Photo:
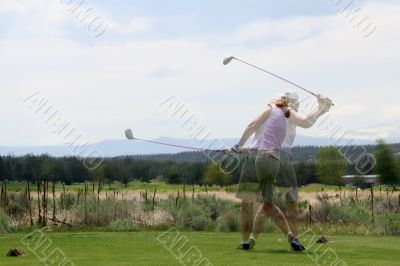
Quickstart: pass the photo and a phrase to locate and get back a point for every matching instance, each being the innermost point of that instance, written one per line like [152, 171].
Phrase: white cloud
[390, 132]
[391, 111]
[108, 86]
[347, 110]
[12, 6]
[268, 32]
[139, 25]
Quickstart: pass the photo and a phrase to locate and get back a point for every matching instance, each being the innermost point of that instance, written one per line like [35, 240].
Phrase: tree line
[312, 164]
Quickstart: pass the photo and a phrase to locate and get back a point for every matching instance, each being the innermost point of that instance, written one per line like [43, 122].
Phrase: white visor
[290, 94]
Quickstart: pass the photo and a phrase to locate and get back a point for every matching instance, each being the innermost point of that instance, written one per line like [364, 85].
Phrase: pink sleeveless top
[273, 130]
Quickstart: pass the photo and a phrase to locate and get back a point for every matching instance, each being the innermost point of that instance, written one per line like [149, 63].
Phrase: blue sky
[152, 50]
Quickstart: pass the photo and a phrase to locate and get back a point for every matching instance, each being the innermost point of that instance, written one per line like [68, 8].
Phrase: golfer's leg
[246, 219]
[272, 211]
[259, 221]
[289, 181]
[276, 214]
[267, 168]
[247, 191]
[293, 216]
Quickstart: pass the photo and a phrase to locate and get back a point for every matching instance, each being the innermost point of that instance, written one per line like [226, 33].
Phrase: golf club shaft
[178, 146]
[279, 77]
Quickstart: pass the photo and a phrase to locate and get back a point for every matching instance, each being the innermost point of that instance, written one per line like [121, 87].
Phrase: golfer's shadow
[269, 250]
[278, 251]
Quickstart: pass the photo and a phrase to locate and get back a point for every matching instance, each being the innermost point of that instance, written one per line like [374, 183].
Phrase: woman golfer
[272, 125]
[287, 179]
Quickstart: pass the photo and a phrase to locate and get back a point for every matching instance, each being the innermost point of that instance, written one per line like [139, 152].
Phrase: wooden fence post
[5, 197]
[356, 194]
[98, 193]
[44, 205]
[153, 203]
[399, 199]
[176, 200]
[1, 197]
[85, 200]
[115, 206]
[372, 204]
[154, 197]
[38, 199]
[387, 194]
[30, 204]
[53, 188]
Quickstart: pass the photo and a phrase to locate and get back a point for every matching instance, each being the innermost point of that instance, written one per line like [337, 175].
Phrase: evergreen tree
[215, 176]
[331, 166]
[386, 165]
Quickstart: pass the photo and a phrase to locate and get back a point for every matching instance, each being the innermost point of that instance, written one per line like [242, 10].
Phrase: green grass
[319, 187]
[142, 248]
[162, 187]
[135, 185]
[165, 187]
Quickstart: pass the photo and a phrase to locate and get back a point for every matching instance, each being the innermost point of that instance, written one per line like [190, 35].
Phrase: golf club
[129, 135]
[230, 58]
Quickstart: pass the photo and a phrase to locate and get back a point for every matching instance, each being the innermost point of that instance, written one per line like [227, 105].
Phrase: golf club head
[129, 134]
[228, 60]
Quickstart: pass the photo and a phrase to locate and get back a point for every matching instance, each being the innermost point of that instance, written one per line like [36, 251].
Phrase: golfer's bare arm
[307, 121]
[254, 126]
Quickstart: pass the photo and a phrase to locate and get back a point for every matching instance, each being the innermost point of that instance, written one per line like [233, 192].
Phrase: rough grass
[132, 186]
[165, 187]
[142, 248]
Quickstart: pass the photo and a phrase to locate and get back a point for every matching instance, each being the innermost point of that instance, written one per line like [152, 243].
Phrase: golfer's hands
[324, 103]
[237, 149]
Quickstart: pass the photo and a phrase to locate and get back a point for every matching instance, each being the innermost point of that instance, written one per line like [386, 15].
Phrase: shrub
[214, 206]
[341, 213]
[350, 215]
[228, 222]
[69, 200]
[124, 225]
[389, 224]
[189, 213]
[17, 204]
[199, 223]
[101, 214]
[5, 223]
[197, 214]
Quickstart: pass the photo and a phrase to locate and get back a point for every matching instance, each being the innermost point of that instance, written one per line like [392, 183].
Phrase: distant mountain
[320, 141]
[121, 147]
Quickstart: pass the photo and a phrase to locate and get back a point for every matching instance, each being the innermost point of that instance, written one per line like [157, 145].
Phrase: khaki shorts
[287, 180]
[248, 188]
[267, 169]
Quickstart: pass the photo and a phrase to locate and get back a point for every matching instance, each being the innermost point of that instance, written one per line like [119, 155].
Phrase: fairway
[143, 248]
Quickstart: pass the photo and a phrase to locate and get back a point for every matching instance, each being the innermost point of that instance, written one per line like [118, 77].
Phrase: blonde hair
[283, 103]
